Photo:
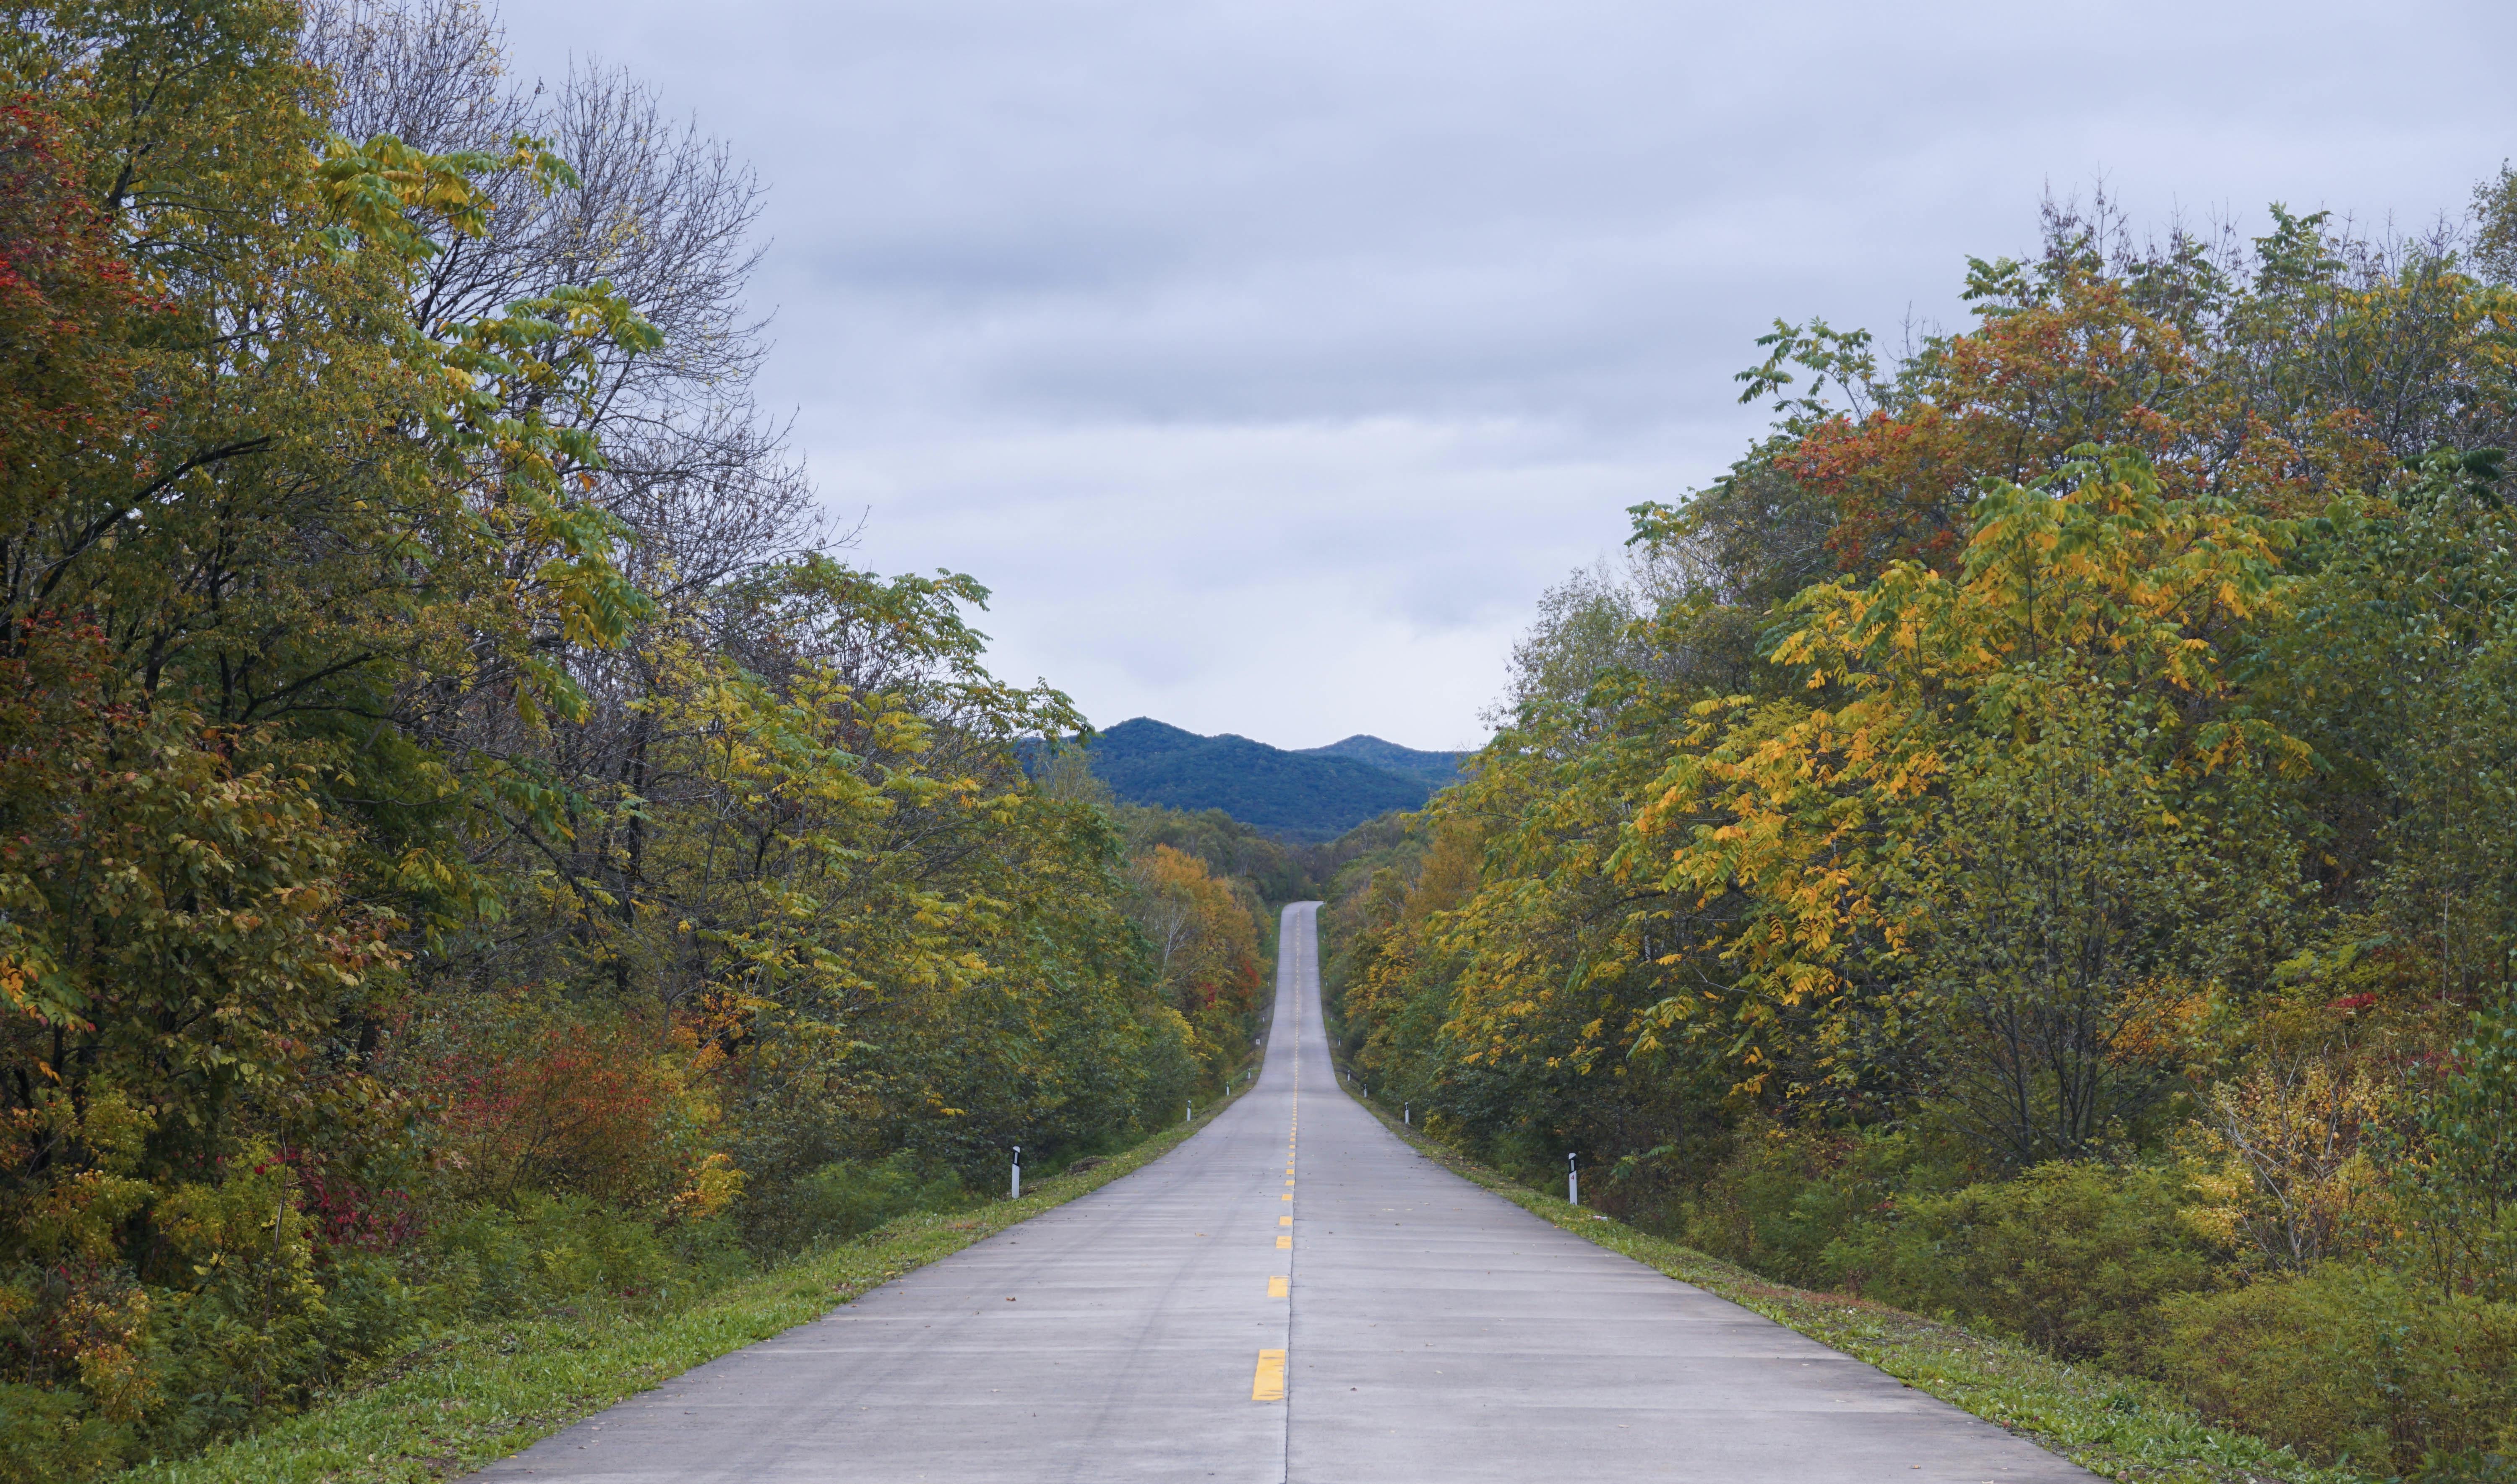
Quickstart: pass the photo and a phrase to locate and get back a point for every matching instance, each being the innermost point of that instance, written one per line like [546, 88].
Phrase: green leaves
[2461, 1167]
[1841, 357]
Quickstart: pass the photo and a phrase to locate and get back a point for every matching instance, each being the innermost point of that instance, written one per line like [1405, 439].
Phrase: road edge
[2117, 1426]
[487, 1391]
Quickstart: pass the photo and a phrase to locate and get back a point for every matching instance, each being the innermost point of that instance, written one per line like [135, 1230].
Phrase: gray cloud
[1268, 360]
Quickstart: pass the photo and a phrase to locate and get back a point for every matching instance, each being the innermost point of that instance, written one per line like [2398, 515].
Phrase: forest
[2036, 843]
[470, 840]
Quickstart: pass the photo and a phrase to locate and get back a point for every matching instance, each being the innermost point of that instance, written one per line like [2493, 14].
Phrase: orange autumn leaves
[1205, 946]
[2169, 364]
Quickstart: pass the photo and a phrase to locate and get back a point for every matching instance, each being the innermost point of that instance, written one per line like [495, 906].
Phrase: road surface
[1292, 1296]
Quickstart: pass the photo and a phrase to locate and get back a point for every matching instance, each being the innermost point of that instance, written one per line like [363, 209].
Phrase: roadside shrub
[845, 1199]
[2353, 1361]
[1170, 1070]
[1780, 1198]
[48, 1435]
[2075, 1258]
[252, 1331]
[1784, 1198]
[549, 1250]
[597, 1110]
[240, 1313]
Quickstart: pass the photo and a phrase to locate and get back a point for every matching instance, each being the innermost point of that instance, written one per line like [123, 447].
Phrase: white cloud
[1291, 581]
[1267, 358]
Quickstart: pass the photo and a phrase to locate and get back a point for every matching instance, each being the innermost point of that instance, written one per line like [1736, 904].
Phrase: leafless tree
[663, 213]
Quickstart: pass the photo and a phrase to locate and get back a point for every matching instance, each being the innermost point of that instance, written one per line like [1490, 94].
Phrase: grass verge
[2110, 1425]
[483, 1391]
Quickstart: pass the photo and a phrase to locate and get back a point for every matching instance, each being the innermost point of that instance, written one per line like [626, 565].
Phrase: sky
[1267, 361]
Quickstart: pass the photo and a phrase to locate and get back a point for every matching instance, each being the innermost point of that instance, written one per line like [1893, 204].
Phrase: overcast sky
[1269, 360]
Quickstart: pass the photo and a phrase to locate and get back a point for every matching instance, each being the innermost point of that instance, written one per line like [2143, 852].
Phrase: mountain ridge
[1306, 794]
[1440, 768]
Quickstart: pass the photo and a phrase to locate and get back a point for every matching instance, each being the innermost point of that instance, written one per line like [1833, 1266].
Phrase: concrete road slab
[1421, 1330]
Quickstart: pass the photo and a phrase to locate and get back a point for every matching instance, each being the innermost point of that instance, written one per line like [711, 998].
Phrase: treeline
[2036, 842]
[1309, 795]
[1204, 890]
[468, 840]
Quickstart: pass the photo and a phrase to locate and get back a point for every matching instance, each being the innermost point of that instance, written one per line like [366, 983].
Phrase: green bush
[1784, 1198]
[551, 1250]
[2355, 1361]
[843, 1199]
[1780, 1198]
[49, 1434]
[2075, 1258]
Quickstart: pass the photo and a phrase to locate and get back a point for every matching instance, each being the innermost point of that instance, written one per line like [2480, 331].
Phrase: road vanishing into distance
[1292, 1296]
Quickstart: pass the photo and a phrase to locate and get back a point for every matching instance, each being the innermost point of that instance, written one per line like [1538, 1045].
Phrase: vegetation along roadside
[491, 1388]
[2036, 843]
[2119, 1427]
[472, 842]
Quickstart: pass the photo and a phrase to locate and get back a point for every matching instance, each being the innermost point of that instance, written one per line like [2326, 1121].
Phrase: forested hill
[1314, 795]
[1435, 768]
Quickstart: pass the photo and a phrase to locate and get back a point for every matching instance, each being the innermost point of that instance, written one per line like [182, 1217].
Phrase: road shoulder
[2112, 1425]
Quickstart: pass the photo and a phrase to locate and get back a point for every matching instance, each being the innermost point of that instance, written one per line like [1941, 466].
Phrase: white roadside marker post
[1572, 1181]
[1017, 1194]
[1407, 1113]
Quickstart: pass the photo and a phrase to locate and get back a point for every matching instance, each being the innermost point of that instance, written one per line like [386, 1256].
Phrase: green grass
[2110, 1425]
[483, 1391]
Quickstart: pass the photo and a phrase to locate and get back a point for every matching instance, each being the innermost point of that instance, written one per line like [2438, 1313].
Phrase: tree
[1205, 948]
[446, 794]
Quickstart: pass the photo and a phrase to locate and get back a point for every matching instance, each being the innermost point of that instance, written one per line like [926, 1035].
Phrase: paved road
[1381, 1322]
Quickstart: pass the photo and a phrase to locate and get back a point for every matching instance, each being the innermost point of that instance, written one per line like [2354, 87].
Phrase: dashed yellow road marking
[1277, 1286]
[1284, 1197]
[1284, 1242]
[1283, 1220]
[1289, 1185]
[1268, 1384]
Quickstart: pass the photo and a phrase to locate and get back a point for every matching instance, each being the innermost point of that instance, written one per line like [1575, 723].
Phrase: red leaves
[572, 1108]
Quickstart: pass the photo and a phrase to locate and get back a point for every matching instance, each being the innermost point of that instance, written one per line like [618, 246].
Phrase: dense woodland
[469, 842]
[2036, 842]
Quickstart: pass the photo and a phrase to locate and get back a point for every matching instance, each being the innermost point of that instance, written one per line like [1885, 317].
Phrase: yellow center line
[1284, 1197]
[1282, 1243]
[1283, 1220]
[1268, 1384]
[1277, 1286]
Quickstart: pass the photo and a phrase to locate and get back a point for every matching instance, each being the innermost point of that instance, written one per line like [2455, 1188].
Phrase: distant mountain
[1317, 793]
[1435, 768]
